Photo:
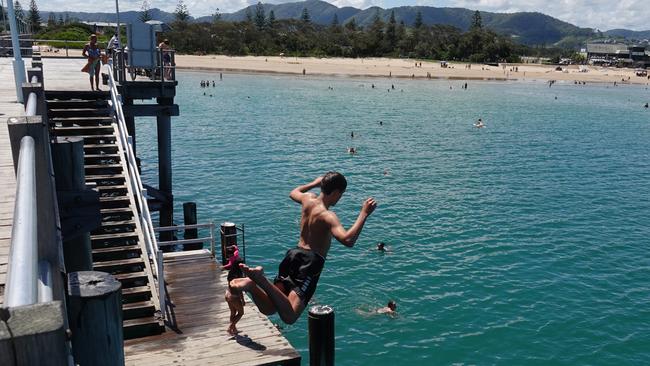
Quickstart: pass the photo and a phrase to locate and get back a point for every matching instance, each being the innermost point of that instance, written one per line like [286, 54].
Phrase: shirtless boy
[298, 275]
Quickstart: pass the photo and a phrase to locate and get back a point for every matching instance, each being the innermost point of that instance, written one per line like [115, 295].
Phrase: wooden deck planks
[197, 286]
[8, 108]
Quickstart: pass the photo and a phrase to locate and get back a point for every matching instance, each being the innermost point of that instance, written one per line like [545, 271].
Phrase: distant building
[99, 27]
[616, 54]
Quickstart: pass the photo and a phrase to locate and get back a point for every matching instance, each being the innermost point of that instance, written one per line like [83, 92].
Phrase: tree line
[262, 34]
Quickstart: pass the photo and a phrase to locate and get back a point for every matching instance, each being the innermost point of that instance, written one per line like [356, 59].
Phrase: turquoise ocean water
[524, 243]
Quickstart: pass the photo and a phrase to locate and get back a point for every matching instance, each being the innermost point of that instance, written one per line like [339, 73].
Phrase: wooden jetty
[199, 317]
[173, 316]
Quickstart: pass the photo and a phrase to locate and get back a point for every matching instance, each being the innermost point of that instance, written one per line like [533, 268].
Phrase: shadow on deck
[196, 288]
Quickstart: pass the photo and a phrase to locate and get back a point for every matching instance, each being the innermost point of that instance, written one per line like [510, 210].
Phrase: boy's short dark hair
[333, 181]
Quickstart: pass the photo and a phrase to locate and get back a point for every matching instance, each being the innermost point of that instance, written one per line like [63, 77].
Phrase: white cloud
[602, 14]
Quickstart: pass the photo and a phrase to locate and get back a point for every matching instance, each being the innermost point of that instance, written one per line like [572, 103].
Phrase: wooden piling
[189, 218]
[68, 162]
[95, 316]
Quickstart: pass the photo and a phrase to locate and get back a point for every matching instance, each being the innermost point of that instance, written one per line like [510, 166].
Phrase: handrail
[211, 238]
[22, 274]
[132, 171]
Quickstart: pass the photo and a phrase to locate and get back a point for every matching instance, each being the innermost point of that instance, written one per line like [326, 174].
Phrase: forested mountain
[524, 27]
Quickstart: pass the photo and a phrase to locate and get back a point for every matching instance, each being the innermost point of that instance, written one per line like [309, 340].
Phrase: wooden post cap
[89, 284]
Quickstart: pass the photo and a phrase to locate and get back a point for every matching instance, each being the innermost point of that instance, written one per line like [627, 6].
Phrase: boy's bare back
[315, 228]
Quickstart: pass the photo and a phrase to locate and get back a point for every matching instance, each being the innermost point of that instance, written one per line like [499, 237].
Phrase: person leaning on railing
[166, 58]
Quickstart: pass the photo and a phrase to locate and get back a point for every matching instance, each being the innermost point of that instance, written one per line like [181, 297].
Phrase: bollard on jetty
[228, 239]
[321, 335]
[95, 315]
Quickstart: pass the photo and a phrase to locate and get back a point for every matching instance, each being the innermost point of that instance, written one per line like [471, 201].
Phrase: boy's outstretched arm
[299, 193]
[350, 236]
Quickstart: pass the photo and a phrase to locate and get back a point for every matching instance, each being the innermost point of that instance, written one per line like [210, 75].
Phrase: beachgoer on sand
[298, 275]
[93, 53]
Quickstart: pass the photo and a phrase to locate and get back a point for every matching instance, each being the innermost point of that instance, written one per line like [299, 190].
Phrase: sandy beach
[397, 68]
[404, 68]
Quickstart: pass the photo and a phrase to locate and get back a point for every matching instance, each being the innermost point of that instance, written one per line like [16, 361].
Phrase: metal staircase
[123, 245]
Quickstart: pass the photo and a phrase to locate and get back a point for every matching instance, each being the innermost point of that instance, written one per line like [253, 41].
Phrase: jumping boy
[300, 270]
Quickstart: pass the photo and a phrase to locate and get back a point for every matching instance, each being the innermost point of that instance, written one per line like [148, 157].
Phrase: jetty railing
[22, 287]
[209, 239]
[140, 193]
[164, 70]
[28, 280]
[34, 309]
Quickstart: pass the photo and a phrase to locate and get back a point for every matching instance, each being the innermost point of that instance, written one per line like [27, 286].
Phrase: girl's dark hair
[235, 271]
[333, 181]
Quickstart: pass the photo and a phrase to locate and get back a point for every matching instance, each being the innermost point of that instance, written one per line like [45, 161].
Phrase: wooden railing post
[33, 335]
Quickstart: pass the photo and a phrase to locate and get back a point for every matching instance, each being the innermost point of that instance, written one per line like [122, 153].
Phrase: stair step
[113, 236]
[138, 309]
[101, 156]
[139, 290]
[131, 277]
[119, 265]
[102, 166]
[107, 189]
[136, 294]
[77, 94]
[102, 255]
[96, 177]
[118, 210]
[95, 138]
[83, 130]
[142, 327]
[106, 224]
[78, 103]
[102, 147]
[78, 112]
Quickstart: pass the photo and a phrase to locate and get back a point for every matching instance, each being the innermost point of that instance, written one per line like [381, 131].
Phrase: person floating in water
[299, 271]
[381, 246]
[479, 123]
[390, 308]
[234, 297]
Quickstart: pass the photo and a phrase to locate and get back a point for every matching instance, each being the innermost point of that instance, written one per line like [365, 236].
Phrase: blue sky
[601, 14]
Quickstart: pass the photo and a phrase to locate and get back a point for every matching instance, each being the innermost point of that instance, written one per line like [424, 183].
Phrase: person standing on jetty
[298, 275]
[93, 53]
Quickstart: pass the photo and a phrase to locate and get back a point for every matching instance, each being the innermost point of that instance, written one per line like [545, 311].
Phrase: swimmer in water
[390, 309]
[479, 123]
[352, 150]
[381, 246]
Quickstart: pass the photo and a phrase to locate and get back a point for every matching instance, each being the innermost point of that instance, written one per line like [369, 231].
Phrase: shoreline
[403, 69]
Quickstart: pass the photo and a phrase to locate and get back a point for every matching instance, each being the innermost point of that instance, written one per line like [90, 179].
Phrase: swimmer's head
[392, 305]
[333, 182]
[380, 245]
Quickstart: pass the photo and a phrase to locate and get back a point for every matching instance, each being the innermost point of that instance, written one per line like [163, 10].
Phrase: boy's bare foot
[254, 273]
[241, 284]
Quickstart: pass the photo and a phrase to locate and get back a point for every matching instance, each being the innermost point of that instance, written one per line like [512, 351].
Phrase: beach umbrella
[159, 26]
